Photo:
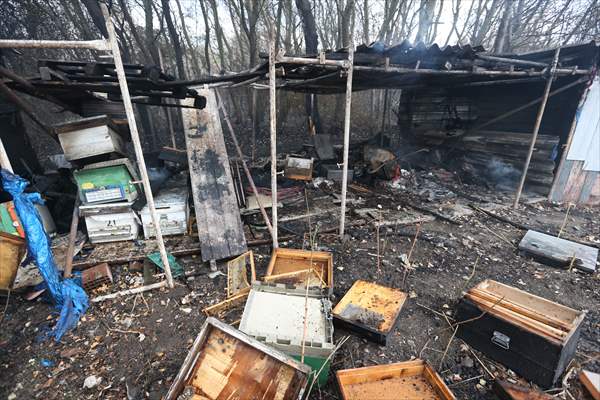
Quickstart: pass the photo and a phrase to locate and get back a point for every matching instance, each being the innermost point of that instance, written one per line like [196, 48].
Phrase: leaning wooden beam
[244, 165]
[55, 44]
[346, 137]
[135, 138]
[273, 126]
[136, 290]
[72, 238]
[25, 107]
[527, 105]
[536, 128]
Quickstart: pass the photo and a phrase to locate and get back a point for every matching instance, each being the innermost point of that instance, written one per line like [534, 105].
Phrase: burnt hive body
[532, 336]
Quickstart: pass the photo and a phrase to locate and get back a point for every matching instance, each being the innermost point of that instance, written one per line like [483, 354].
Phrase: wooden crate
[298, 168]
[370, 310]
[533, 336]
[404, 380]
[12, 249]
[295, 266]
[89, 137]
[225, 363]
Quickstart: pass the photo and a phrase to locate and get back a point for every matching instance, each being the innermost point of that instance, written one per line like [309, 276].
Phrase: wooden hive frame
[424, 378]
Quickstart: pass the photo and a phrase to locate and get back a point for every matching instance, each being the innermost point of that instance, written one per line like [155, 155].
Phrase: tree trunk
[174, 39]
[311, 41]
[426, 11]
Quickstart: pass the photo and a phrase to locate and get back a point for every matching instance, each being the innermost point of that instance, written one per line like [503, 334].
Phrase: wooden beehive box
[225, 364]
[295, 266]
[89, 137]
[370, 310]
[533, 336]
[404, 380]
[298, 168]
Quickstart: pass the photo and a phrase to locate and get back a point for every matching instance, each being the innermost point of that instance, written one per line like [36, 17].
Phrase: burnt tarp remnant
[67, 294]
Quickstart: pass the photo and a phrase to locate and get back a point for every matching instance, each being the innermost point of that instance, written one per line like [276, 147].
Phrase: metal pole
[536, 128]
[273, 121]
[135, 137]
[244, 165]
[346, 137]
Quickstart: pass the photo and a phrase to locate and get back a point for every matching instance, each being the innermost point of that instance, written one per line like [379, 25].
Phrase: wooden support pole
[346, 137]
[4, 161]
[273, 123]
[126, 292]
[135, 138]
[244, 165]
[536, 128]
[99, 44]
[72, 238]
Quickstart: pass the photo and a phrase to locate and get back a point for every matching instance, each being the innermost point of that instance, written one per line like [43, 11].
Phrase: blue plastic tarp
[68, 296]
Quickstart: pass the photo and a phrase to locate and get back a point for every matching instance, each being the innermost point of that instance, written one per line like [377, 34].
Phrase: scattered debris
[559, 252]
[508, 391]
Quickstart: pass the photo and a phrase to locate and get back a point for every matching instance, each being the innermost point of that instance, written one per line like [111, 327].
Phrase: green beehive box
[274, 314]
[107, 182]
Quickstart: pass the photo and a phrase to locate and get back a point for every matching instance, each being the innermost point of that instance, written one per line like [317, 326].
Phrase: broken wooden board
[295, 267]
[507, 391]
[225, 364]
[237, 274]
[370, 310]
[533, 336]
[404, 380]
[220, 227]
[591, 381]
[558, 252]
[230, 310]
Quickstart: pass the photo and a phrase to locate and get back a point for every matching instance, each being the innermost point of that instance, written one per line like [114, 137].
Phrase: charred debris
[480, 139]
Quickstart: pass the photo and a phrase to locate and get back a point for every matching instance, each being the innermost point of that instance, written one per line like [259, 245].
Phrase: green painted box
[274, 314]
[106, 182]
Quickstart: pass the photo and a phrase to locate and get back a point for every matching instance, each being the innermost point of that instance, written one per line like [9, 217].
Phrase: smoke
[502, 173]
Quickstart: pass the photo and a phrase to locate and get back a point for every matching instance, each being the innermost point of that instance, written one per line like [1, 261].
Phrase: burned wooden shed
[476, 112]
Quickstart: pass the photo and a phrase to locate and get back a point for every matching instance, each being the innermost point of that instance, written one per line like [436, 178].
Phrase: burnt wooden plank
[508, 391]
[220, 227]
[558, 252]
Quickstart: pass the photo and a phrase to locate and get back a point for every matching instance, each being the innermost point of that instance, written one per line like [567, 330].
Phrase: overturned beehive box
[370, 310]
[293, 320]
[404, 380]
[533, 336]
[225, 364]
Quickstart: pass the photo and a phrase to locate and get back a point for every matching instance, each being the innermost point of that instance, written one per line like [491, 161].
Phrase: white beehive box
[110, 222]
[89, 137]
[172, 209]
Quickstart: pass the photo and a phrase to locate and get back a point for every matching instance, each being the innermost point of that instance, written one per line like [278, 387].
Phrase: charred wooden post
[72, 238]
[346, 137]
[536, 128]
[273, 123]
[135, 138]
